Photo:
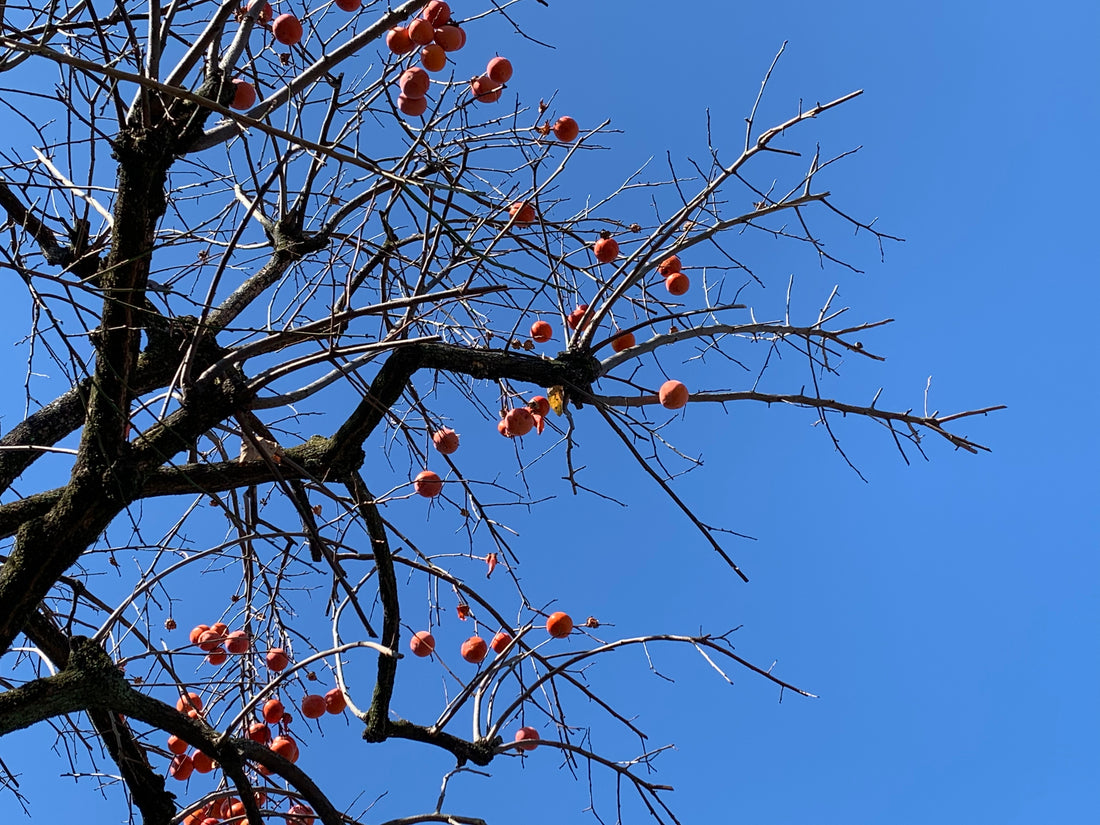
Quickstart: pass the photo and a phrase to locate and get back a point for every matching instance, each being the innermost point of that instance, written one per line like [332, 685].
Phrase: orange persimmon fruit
[575, 316]
[606, 250]
[427, 484]
[677, 283]
[422, 643]
[421, 32]
[285, 747]
[450, 38]
[499, 70]
[485, 89]
[259, 732]
[181, 767]
[277, 659]
[273, 711]
[191, 700]
[445, 440]
[414, 82]
[244, 94]
[313, 706]
[412, 106]
[559, 625]
[474, 649]
[287, 29]
[528, 735]
[519, 421]
[566, 129]
[237, 642]
[335, 701]
[624, 340]
[398, 40]
[437, 12]
[176, 745]
[201, 762]
[673, 395]
[541, 331]
[525, 214]
[669, 266]
[433, 58]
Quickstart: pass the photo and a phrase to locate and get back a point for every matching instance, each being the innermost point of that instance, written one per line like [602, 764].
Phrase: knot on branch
[584, 368]
[288, 237]
[322, 458]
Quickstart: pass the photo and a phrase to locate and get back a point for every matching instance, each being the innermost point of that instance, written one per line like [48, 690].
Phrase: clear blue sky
[947, 612]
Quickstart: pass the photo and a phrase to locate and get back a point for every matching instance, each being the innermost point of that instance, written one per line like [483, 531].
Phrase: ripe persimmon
[285, 747]
[414, 82]
[541, 331]
[502, 428]
[606, 250]
[673, 395]
[176, 745]
[197, 631]
[427, 484]
[181, 767]
[422, 643]
[500, 642]
[216, 657]
[485, 89]
[398, 40]
[539, 405]
[445, 440]
[277, 659]
[624, 340]
[433, 58]
[524, 213]
[421, 32]
[566, 129]
[300, 815]
[450, 38]
[313, 706]
[244, 94]
[669, 266]
[273, 711]
[412, 106]
[287, 29]
[575, 316]
[335, 701]
[519, 421]
[474, 649]
[237, 642]
[210, 640]
[437, 12]
[201, 762]
[528, 735]
[259, 732]
[349, 5]
[190, 701]
[559, 625]
[677, 283]
[499, 70]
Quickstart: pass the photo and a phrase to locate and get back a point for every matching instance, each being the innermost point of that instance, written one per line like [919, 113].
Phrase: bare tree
[232, 243]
